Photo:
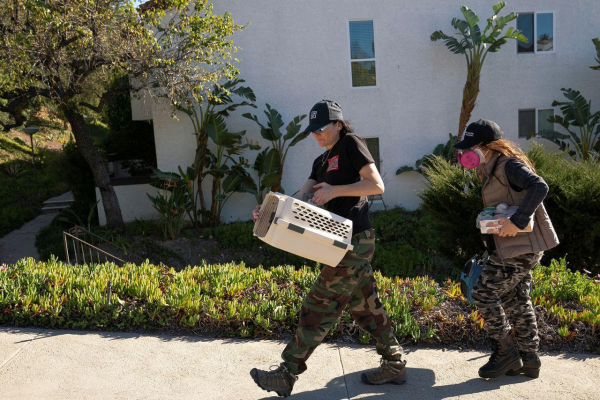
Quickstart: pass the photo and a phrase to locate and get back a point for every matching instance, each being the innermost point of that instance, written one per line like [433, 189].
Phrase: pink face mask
[471, 159]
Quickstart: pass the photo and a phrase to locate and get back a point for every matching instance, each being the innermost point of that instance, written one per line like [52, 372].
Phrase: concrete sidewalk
[21, 243]
[43, 364]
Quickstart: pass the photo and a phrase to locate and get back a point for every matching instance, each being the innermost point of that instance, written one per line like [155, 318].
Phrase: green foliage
[405, 243]
[584, 140]
[572, 202]
[132, 141]
[474, 43]
[49, 240]
[229, 175]
[442, 150]
[232, 300]
[208, 120]
[556, 288]
[173, 202]
[271, 162]
[18, 200]
[453, 212]
[236, 235]
[596, 42]
[141, 227]
[239, 236]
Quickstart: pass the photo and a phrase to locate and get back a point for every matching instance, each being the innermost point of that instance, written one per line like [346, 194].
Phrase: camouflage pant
[502, 294]
[350, 283]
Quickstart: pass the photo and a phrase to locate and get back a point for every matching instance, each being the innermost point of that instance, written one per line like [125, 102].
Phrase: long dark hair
[347, 127]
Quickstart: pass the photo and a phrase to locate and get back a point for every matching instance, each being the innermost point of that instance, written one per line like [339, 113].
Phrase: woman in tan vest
[502, 291]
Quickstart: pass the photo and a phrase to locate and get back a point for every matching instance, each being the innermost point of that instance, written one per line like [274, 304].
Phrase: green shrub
[406, 245]
[573, 202]
[236, 235]
[19, 202]
[557, 288]
[49, 240]
[142, 227]
[452, 212]
[13, 216]
[232, 300]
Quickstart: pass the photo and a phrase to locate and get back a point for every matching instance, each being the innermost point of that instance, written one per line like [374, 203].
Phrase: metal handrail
[80, 247]
[83, 245]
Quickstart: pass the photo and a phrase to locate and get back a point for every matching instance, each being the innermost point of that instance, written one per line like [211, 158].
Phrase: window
[532, 121]
[538, 28]
[362, 54]
[373, 146]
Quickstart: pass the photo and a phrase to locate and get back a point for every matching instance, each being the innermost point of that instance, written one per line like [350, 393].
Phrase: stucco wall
[133, 201]
[296, 53]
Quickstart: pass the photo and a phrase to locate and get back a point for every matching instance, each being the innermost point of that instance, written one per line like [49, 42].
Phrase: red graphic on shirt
[334, 163]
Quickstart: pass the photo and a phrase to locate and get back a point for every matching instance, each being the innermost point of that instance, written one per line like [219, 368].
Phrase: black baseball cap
[323, 113]
[479, 132]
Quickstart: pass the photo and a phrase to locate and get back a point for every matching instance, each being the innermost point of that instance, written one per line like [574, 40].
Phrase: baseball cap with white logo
[322, 114]
[479, 132]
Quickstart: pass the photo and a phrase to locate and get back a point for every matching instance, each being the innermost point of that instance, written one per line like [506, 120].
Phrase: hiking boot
[279, 380]
[531, 365]
[389, 371]
[505, 357]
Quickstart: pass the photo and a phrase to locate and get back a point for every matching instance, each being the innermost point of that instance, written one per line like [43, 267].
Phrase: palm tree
[476, 45]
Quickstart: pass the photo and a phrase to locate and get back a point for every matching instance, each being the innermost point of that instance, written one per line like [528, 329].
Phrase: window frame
[537, 122]
[535, 50]
[362, 59]
[365, 138]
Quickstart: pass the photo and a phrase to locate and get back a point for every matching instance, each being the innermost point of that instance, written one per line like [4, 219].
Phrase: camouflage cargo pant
[502, 296]
[350, 283]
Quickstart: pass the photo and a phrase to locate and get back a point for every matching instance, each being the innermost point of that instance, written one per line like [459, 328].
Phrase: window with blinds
[362, 54]
[373, 146]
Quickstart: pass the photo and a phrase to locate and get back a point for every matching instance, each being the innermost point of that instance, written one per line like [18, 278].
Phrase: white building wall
[133, 201]
[295, 53]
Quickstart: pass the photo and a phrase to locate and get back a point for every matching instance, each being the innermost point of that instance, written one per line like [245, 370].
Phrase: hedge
[235, 301]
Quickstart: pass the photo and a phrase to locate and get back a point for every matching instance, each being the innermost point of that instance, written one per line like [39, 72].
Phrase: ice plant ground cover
[232, 300]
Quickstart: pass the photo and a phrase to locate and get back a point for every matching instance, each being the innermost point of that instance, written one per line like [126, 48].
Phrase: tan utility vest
[496, 190]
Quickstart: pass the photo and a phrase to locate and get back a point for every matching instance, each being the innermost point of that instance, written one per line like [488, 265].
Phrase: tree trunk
[214, 217]
[470, 93]
[114, 219]
[202, 143]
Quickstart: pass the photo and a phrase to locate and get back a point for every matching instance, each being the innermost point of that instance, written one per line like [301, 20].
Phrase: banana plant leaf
[271, 163]
[293, 127]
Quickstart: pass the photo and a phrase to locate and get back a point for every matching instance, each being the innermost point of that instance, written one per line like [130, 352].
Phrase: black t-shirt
[341, 166]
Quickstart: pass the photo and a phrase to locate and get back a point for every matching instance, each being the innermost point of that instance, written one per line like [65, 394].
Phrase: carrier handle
[312, 233]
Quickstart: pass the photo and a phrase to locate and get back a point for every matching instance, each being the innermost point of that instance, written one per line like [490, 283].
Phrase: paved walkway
[42, 364]
[21, 243]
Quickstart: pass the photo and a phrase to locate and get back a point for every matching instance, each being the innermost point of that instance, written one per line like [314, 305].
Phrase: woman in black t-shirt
[340, 180]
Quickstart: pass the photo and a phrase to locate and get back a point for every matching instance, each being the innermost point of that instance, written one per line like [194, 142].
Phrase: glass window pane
[363, 73]
[545, 32]
[362, 44]
[525, 25]
[373, 146]
[543, 124]
[526, 123]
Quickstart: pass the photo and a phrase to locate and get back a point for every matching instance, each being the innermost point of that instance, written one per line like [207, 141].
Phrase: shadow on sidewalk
[43, 333]
[420, 385]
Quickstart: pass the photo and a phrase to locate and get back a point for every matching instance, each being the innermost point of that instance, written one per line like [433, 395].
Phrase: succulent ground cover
[232, 300]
